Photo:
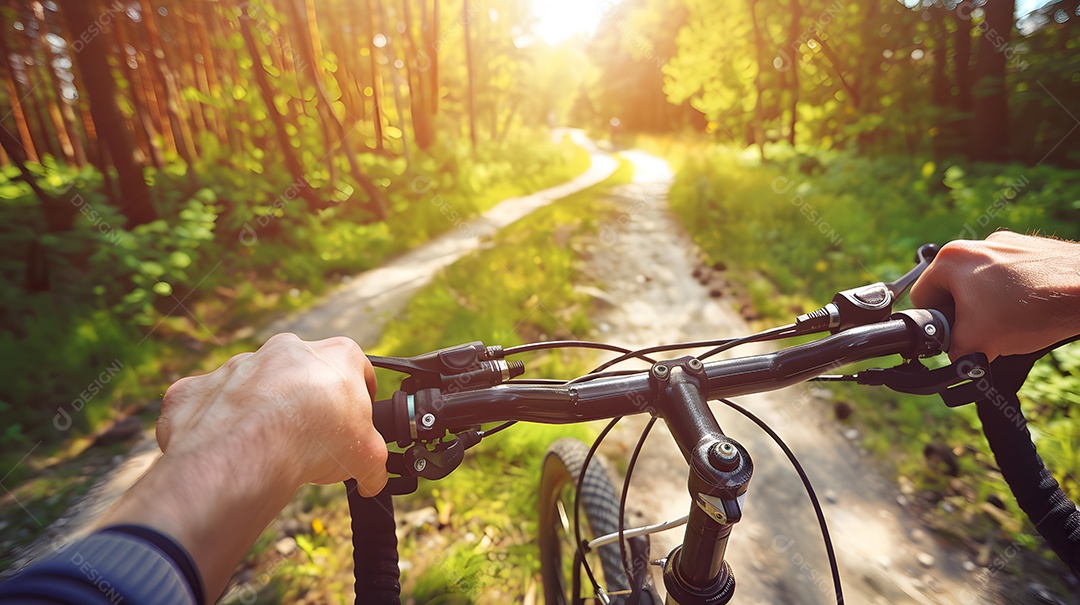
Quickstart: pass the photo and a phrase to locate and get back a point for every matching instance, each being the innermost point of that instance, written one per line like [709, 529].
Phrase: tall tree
[759, 111]
[470, 93]
[147, 119]
[376, 82]
[419, 99]
[940, 85]
[18, 95]
[990, 126]
[135, 202]
[303, 11]
[66, 128]
[292, 162]
[166, 88]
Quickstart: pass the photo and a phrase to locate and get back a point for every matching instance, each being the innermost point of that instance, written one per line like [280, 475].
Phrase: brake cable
[771, 334]
[834, 568]
[577, 344]
[627, 567]
[577, 509]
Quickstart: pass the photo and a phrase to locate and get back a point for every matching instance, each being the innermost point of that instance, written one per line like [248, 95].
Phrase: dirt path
[359, 310]
[776, 553]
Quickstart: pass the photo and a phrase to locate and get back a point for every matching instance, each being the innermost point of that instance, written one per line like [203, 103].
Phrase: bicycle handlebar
[908, 333]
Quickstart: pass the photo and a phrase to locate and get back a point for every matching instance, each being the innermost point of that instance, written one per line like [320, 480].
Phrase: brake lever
[959, 383]
[866, 304]
[467, 366]
[923, 257]
[433, 464]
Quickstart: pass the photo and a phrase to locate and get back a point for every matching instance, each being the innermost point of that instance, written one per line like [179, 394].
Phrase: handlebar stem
[720, 471]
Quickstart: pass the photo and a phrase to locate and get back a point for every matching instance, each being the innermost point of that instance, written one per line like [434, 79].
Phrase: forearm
[214, 501]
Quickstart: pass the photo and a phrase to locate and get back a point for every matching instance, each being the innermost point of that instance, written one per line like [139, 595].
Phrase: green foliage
[816, 223]
[115, 293]
[809, 224]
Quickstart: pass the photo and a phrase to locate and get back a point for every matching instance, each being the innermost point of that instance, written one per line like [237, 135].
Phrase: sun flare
[561, 19]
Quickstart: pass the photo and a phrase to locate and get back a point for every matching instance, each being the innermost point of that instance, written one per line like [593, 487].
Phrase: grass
[481, 546]
[795, 231]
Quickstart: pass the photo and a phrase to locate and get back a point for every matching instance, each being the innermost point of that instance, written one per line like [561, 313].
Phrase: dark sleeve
[122, 564]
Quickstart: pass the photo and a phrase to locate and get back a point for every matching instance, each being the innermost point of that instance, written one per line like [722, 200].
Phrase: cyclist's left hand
[240, 440]
[306, 406]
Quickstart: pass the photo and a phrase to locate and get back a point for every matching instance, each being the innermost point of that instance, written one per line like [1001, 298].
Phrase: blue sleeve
[122, 564]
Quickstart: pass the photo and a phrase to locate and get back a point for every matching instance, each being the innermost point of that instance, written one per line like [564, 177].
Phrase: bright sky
[560, 19]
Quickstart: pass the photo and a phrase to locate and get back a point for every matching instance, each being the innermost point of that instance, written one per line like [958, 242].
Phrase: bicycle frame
[677, 391]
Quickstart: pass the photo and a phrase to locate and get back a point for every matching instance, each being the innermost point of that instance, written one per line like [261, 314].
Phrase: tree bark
[17, 96]
[135, 203]
[990, 127]
[66, 129]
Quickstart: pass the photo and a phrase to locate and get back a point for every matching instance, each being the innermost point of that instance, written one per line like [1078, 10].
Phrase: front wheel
[559, 565]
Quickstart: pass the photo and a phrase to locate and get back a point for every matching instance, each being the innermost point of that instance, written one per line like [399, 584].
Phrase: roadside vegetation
[805, 225]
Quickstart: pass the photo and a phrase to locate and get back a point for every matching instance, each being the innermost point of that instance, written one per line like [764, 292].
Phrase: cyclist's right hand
[1011, 294]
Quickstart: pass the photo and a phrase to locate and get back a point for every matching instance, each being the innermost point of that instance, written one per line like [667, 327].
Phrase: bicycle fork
[720, 470]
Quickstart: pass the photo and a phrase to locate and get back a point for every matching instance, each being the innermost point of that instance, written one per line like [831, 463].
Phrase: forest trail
[361, 308]
[777, 554]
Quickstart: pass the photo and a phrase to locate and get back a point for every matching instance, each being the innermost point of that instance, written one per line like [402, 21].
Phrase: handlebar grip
[1039, 495]
[375, 555]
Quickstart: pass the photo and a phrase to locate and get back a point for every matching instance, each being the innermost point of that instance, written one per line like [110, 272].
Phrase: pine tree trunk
[990, 128]
[100, 88]
[66, 129]
[17, 95]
